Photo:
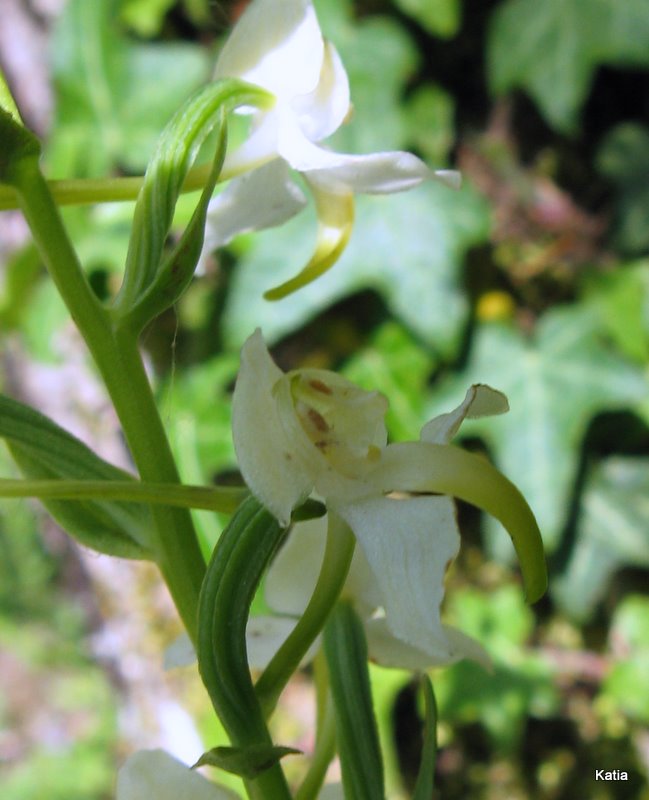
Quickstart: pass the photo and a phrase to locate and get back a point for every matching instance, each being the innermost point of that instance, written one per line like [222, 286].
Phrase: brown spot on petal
[318, 421]
[319, 386]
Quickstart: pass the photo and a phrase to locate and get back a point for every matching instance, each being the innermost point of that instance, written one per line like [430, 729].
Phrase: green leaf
[425, 785]
[621, 298]
[611, 533]
[439, 17]
[520, 684]
[408, 247]
[552, 49]
[430, 112]
[42, 450]
[151, 282]
[114, 95]
[556, 382]
[394, 364]
[248, 762]
[626, 682]
[623, 157]
[145, 17]
[356, 731]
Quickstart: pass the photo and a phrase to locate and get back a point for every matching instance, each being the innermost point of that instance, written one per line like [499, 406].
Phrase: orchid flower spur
[313, 431]
[279, 47]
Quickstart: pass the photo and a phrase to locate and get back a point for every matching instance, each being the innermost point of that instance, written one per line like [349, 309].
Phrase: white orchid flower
[278, 45]
[291, 580]
[156, 774]
[313, 431]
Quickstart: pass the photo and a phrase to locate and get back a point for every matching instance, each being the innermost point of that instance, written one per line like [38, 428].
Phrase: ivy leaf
[409, 248]
[439, 17]
[612, 533]
[248, 762]
[114, 95]
[556, 382]
[521, 683]
[394, 364]
[624, 158]
[626, 682]
[621, 298]
[552, 49]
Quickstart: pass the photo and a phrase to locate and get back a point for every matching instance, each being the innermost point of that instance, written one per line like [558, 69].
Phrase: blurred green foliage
[533, 278]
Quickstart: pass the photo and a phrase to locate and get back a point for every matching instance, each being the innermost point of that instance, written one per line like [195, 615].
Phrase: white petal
[389, 651]
[275, 45]
[266, 457]
[264, 637]
[260, 199]
[155, 774]
[294, 572]
[408, 544]
[480, 401]
[374, 173]
[323, 111]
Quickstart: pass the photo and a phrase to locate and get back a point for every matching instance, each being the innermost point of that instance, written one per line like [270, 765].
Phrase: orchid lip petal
[335, 222]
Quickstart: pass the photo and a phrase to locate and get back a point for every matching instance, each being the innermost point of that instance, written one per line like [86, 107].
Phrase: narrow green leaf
[425, 785]
[356, 731]
[177, 148]
[43, 450]
[248, 762]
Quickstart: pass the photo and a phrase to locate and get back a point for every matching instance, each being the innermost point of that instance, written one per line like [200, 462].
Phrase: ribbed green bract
[154, 281]
[356, 731]
[43, 450]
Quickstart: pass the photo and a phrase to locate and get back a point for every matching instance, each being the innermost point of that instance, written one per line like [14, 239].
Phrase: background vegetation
[533, 278]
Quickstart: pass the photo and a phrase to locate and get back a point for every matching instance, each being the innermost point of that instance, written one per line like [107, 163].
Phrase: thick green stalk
[325, 745]
[119, 362]
[85, 191]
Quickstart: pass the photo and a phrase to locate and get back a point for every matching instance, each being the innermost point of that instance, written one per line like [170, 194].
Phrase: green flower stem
[85, 191]
[223, 499]
[335, 566]
[120, 364]
[325, 746]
